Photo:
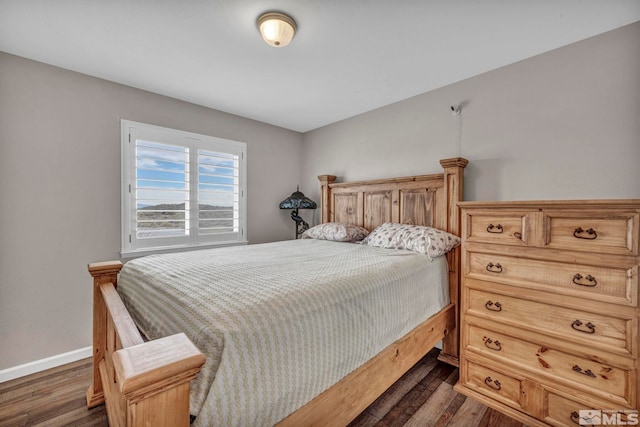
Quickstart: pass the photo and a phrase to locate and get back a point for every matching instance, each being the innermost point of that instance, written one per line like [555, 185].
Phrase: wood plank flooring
[422, 397]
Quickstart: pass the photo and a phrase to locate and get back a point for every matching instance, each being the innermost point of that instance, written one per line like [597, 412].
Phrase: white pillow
[337, 232]
[425, 240]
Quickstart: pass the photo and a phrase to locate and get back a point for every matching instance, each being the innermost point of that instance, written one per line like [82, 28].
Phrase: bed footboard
[141, 383]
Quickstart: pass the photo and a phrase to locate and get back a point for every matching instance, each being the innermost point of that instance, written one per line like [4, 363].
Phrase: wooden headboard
[429, 200]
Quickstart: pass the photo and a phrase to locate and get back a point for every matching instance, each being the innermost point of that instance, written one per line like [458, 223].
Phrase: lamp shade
[277, 29]
[297, 200]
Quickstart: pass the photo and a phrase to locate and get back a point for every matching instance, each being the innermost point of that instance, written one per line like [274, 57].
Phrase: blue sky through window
[163, 190]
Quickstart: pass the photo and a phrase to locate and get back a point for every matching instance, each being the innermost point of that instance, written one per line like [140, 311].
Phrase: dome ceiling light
[277, 29]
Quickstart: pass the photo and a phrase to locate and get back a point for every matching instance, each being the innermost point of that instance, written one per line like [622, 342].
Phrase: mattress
[280, 322]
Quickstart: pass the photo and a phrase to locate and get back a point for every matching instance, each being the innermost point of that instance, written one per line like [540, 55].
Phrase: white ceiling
[348, 57]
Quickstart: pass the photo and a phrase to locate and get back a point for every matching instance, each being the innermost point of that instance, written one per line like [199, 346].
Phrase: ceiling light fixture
[277, 29]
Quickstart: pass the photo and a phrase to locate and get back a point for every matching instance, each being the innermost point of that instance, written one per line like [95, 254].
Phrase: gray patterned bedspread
[280, 322]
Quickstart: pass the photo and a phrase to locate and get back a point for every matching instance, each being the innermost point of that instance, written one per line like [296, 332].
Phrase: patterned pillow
[425, 240]
[337, 232]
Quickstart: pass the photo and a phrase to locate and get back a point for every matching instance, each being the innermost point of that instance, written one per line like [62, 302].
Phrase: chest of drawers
[549, 308]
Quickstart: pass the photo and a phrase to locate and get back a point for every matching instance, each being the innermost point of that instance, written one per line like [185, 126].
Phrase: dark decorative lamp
[295, 201]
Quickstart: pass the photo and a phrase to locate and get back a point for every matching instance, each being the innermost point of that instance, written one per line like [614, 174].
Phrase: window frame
[131, 245]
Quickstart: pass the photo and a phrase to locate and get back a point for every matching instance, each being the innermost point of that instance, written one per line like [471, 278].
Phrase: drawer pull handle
[591, 234]
[494, 384]
[579, 370]
[517, 235]
[575, 417]
[494, 268]
[578, 326]
[493, 306]
[592, 280]
[493, 345]
[498, 229]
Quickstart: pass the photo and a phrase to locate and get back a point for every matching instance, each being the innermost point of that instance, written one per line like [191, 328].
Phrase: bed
[149, 382]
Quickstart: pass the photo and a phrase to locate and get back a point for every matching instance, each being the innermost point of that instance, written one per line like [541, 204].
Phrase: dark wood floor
[422, 397]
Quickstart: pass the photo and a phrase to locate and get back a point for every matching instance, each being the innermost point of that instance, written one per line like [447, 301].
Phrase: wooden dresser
[549, 308]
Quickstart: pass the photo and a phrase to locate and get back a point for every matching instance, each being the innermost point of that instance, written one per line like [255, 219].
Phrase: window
[180, 189]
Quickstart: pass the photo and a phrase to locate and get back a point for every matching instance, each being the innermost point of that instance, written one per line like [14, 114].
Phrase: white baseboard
[44, 364]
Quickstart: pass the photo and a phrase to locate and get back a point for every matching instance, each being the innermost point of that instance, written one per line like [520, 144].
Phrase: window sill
[173, 249]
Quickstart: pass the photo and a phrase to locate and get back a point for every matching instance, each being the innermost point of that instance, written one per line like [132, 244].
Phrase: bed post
[141, 383]
[325, 180]
[453, 186]
[102, 272]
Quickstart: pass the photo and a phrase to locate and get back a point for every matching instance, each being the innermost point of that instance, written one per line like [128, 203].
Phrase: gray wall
[60, 193]
[561, 125]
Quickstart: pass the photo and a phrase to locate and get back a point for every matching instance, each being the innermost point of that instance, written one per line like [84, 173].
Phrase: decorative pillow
[337, 232]
[425, 240]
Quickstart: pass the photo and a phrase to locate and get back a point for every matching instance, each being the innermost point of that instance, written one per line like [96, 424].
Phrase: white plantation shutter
[180, 189]
[161, 190]
[218, 192]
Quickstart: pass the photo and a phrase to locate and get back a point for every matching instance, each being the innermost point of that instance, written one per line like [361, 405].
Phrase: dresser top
[596, 203]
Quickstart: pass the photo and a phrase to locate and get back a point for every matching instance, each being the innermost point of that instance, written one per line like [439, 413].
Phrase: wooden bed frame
[147, 383]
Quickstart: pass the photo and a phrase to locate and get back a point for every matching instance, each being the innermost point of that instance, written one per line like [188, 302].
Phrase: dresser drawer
[591, 329]
[564, 411]
[616, 285]
[561, 411]
[573, 371]
[505, 228]
[605, 233]
[501, 387]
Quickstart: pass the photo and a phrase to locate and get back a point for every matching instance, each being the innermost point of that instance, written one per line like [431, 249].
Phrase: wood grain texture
[614, 284]
[102, 273]
[51, 398]
[141, 383]
[54, 398]
[550, 307]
